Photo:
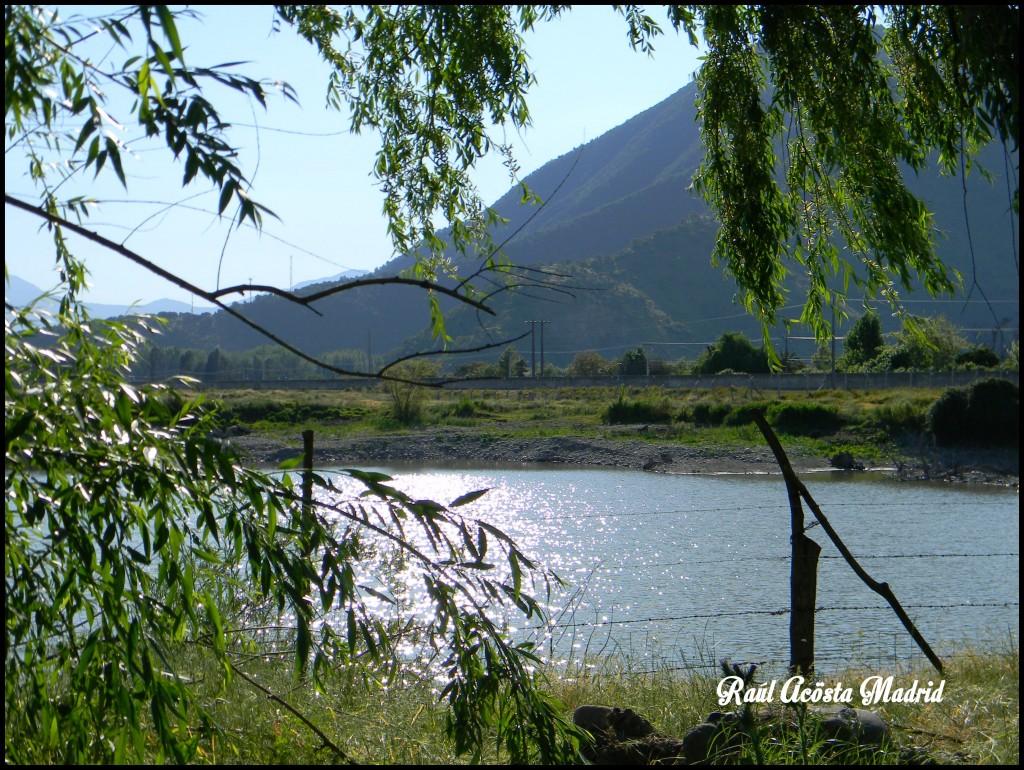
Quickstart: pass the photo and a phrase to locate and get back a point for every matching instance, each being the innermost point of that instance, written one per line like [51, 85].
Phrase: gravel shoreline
[453, 445]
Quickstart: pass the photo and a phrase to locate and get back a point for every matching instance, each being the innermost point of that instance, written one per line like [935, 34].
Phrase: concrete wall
[767, 382]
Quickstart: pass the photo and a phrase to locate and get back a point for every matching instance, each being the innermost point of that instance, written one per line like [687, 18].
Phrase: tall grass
[977, 721]
[870, 425]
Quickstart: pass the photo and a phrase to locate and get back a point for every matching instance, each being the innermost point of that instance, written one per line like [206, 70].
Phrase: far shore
[454, 445]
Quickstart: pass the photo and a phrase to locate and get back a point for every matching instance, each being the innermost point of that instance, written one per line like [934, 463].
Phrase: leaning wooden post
[882, 589]
[803, 568]
[307, 475]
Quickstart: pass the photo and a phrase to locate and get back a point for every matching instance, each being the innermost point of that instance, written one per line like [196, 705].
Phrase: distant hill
[344, 275]
[633, 246]
[20, 292]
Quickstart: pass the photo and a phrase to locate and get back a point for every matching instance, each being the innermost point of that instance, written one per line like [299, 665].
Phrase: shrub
[744, 415]
[407, 397]
[993, 411]
[269, 412]
[947, 418]
[622, 411]
[979, 357]
[802, 419]
[706, 414]
[987, 412]
[465, 408]
[900, 416]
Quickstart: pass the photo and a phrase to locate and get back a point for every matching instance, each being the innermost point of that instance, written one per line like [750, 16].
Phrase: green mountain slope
[633, 245]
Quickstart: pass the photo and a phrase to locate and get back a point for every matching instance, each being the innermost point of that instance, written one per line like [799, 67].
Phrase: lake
[679, 571]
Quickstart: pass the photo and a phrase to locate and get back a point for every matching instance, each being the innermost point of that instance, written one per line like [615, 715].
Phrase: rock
[609, 722]
[723, 734]
[845, 461]
[858, 726]
[623, 737]
[705, 741]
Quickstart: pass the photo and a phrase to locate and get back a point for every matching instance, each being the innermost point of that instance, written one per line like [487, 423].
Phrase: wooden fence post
[796, 491]
[307, 474]
[803, 568]
[803, 598]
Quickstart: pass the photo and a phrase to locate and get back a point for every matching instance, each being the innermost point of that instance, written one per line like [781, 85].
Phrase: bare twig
[215, 297]
[298, 714]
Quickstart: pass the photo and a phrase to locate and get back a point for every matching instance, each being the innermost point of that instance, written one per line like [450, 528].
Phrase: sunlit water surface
[669, 571]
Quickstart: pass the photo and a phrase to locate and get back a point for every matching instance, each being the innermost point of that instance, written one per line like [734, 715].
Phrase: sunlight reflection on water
[672, 570]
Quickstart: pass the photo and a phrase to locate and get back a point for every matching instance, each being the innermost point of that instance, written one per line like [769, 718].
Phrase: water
[675, 571]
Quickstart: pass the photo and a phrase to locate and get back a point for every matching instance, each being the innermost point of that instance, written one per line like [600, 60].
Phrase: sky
[307, 167]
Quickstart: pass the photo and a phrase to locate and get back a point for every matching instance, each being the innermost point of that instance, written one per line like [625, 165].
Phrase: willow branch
[214, 297]
[298, 714]
[425, 353]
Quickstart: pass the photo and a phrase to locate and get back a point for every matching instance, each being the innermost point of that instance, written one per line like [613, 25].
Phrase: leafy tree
[791, 363]
[660, 367]
[863, 342]
[821, 361]
[634, 362]
[978, 356]
[476, 369]
[849, 104]
[924, 343]
[439, 83]
[734, 352]
[130, 533]
[587, 363]
[1012, 360]
[405, 395]
[511, 363]
[214, 365]
[681, 366]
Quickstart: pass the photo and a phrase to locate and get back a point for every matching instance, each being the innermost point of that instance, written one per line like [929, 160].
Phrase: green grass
[559, 405]
[875, 427]
[977, 721]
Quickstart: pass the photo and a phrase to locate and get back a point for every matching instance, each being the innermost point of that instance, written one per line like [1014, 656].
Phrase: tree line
[921, 344]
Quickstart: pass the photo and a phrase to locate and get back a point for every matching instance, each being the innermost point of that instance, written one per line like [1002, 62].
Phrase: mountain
[20, 292]
[344, 275]
[626, 250]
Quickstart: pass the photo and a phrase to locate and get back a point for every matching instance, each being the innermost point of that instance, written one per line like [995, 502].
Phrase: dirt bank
[434, 445]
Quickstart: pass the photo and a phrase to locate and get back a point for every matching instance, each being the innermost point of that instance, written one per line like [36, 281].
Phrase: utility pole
[533, 347]
[542, 347]
[833, 383]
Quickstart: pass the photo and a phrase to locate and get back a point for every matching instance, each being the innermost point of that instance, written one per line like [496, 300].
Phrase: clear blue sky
[311, 172]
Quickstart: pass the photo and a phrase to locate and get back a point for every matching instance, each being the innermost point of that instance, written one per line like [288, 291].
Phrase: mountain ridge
[615, 194]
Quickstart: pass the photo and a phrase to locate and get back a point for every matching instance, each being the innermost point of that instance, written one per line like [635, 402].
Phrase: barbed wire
[772, 507]
[788, 557]
[818, 659]
[773, 613]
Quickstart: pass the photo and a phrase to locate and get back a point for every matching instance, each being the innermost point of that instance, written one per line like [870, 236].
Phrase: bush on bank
[986, 413]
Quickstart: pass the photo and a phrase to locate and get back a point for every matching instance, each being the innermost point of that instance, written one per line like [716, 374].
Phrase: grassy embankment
[875, 426]
[977, 721]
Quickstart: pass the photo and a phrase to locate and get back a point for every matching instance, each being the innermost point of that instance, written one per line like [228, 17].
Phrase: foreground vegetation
[977, 721]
